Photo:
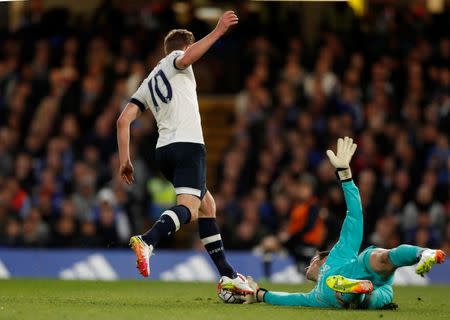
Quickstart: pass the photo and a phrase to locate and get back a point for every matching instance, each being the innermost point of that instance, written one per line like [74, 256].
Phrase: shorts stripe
[174, 218]
[211, 239]
[187, 190]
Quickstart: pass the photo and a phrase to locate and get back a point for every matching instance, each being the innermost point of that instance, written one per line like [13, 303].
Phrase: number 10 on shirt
[154, 87]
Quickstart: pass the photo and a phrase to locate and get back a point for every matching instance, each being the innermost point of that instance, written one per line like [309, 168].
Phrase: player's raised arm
[352, 229]
[128, 115]
[199, 48]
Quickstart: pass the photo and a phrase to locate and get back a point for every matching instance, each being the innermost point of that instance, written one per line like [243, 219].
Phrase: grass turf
[56, 299]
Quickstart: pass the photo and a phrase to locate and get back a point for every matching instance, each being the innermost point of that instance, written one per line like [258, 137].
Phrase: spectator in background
[278, 212]
[112, 223]
[12, 233]
[48, 194]
[64, 232]
[89, 238]
[20, 201]
[423, 218]
[36, 232]
[65, 225]
[385, 232]
[322, 79]
[23, 171]
[84, 195]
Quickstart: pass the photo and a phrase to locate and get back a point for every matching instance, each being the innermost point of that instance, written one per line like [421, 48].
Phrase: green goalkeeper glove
[341, 160]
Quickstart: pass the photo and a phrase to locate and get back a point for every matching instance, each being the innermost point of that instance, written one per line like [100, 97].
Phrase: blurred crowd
[383, 80]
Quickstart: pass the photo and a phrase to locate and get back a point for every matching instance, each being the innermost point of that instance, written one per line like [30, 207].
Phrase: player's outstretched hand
[250, 298]
[126, 172]
[345, 150]
[228, 19]
[341, 160]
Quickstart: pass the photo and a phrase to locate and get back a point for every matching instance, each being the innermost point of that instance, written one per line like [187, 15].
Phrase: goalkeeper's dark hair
[323, 254]
[177, 39]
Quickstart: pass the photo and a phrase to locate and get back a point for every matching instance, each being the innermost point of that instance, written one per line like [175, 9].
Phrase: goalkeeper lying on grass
[344, 278]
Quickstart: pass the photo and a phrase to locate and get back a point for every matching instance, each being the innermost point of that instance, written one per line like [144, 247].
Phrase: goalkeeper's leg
[385, 262]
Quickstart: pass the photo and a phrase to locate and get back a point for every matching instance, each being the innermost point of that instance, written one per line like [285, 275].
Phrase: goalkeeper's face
[312, 271]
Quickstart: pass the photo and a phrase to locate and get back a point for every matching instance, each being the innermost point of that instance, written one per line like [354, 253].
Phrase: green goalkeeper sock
[405, 255]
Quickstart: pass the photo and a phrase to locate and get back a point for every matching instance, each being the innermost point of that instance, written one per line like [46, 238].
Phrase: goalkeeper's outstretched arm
[289, 299]
[352, 229]
[281, 298]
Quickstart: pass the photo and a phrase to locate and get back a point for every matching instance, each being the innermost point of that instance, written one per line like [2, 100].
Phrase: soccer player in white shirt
[170, 93]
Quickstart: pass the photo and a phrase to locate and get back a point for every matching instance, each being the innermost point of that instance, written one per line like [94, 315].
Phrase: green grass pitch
[94, 300]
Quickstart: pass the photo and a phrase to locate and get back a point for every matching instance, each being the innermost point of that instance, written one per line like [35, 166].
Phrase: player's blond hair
[177, 39]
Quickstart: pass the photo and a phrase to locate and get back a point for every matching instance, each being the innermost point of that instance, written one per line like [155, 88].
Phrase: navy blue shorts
[184, 165]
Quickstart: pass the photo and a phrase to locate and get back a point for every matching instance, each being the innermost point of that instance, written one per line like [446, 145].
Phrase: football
[227, 296]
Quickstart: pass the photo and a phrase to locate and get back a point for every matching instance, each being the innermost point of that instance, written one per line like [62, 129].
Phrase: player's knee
[380, 262]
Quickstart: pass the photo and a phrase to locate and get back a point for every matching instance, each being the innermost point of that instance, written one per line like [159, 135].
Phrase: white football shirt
[171, 95]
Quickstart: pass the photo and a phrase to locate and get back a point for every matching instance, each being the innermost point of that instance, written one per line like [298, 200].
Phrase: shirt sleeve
[352, 229]
[170, 67]
[291, 299]
[139, 97]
